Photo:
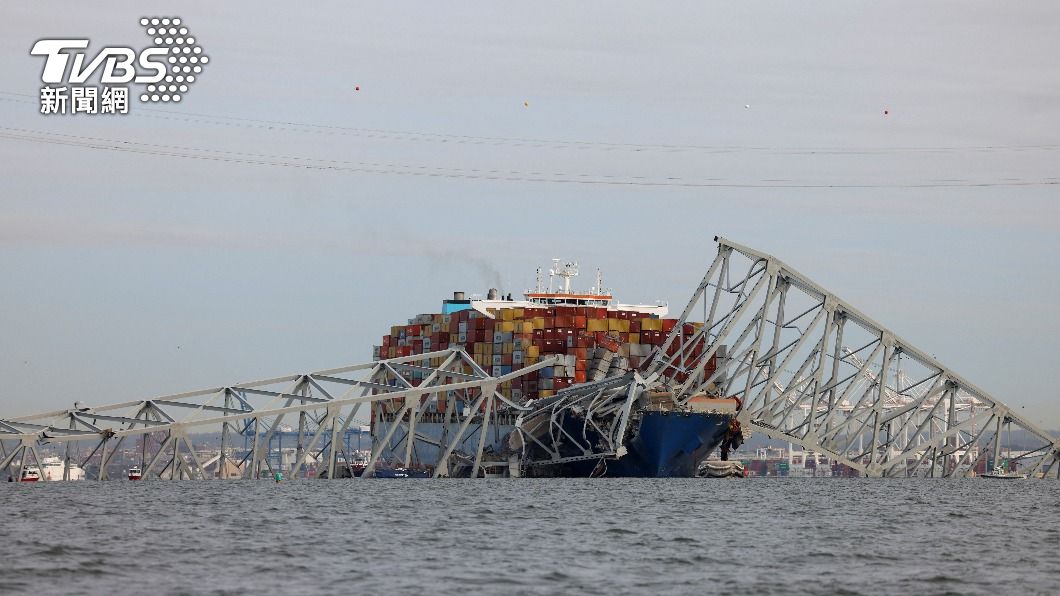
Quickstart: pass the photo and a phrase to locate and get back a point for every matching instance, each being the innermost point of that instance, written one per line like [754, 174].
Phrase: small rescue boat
[134, 473]
[1000, 474]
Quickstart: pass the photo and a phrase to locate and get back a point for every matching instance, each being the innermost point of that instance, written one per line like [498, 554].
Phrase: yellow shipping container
[614, 325]
[526, 327]
[545, 393]
[531, 352]
[506, 326]
[651, 324]
[506, 347]
[539, 322]
[395, 331]
[507, 314]
[518, 312]
[594, 325]
[634, 338]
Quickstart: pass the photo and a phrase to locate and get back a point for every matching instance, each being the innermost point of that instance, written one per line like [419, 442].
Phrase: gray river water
[607, 536]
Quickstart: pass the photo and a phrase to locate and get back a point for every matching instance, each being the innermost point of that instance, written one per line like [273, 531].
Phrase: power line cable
[432, 137]
[310, 163]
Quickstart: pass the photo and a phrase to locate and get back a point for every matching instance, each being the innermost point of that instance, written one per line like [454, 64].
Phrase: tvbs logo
[166, 69]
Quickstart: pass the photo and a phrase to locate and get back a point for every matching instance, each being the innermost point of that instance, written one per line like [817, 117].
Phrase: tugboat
[29, 474]
[134, 473]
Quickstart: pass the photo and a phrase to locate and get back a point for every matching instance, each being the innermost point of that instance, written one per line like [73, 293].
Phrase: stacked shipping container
[589, 342]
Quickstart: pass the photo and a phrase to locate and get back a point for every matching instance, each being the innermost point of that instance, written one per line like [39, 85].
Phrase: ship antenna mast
[599, 282]
[538, 288]
[552, 273]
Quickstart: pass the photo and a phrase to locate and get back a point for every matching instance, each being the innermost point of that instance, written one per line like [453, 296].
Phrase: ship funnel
[458, 295]
[492, 294]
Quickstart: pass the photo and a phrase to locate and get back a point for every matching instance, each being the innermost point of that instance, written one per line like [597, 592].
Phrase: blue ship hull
[665, 445]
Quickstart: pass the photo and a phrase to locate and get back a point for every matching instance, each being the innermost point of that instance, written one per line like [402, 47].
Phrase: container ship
[595, 342]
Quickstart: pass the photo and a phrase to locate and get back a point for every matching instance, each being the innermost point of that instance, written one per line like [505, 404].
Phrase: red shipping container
[550, 322]
[599, 312]
[581, 353]
[506, 358]
[538, 334]
[622, 315]
[549, 312]
[563, 320]
[412, 330]
[634, 326]
[579, 376]
[668, 325]
[580, 322]
[687, 329]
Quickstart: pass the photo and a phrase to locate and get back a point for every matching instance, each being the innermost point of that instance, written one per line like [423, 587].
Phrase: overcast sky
[903, 155]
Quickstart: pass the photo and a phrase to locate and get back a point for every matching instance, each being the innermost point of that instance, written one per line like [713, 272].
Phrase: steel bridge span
[808, 367]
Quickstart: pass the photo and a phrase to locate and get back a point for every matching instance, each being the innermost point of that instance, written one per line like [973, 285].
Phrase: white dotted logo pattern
[185, 58]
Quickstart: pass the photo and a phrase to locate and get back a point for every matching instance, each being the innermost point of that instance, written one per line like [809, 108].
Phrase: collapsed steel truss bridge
[807, 367]
[812, 370]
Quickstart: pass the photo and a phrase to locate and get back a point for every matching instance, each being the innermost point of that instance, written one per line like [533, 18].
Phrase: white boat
[52, 468]
[29, 474]
[1001, 474]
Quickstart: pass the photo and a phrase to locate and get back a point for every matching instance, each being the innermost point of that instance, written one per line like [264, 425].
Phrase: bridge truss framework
[812, 370]
[324, 403]
[807, 366]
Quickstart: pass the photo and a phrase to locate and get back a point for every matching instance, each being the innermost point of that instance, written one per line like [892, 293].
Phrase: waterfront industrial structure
[806, 367]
